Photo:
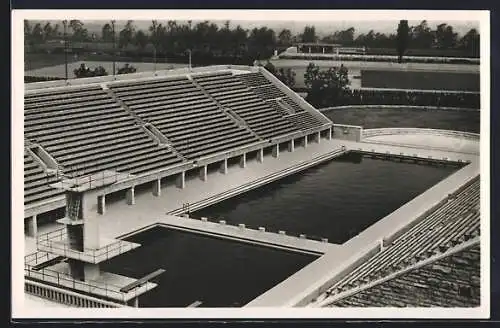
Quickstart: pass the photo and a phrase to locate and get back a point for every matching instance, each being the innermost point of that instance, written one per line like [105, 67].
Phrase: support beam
[157, 187]
[243, 160]
[131, 196]
[318, 137]
[92, 271]
[276, 151]
[305, 141]
[136, 302]
[291, 145]
[329, 134]
[223, 166]
[101, 204]
[32, 226]
[260, 155]
[203, 173]
[181, 180]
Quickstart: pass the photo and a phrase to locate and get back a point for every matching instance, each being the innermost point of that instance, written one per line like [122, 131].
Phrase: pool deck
[121, 219]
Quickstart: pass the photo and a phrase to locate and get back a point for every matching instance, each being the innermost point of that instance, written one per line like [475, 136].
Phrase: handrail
[63, 279]
[48, 240]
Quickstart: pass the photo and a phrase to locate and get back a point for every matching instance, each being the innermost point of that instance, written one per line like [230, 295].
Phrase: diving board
[141, 281]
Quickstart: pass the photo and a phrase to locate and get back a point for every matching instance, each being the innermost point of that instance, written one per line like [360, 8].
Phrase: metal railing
[61, 279]
[50, 242]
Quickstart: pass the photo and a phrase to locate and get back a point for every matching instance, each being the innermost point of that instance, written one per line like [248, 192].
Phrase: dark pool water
[417, 118]
[335, 200]
[217, 272]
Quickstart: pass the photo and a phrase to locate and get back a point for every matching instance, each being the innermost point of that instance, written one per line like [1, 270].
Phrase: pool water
[217, 272]
[335, 200]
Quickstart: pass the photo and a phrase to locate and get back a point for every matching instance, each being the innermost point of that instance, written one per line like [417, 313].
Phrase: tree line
[172, 37]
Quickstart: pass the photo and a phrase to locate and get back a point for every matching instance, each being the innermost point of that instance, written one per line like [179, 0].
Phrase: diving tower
[70, 257]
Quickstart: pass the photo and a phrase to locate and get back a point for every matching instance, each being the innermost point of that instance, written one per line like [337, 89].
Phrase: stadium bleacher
[185, 115]
[36, 181]
[231, 93]
[86, 131]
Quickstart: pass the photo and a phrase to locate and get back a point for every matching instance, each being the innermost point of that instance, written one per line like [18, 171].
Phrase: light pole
[65, 23]
[114, 41]
[189, 52]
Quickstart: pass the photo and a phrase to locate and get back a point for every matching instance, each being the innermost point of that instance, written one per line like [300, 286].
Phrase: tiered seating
[304, 120]
[453, 281]
[449, 225]
[86, 131]
[263, 88]
[253, 79]
[276, 106]
[231, 93]
[36, 182]
[189, 118]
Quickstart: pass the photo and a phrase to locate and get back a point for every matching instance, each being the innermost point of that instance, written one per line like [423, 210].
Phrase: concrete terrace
[121, 219]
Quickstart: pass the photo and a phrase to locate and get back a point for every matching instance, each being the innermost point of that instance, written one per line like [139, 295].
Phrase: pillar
[136, 302]
[309, 49]
[305, 141]
[101, 204]
[260, 155]
[92, 271]
[329, 134]
[323, 48]
[243, 160]
[223, 166]
[203, 173]
[318, 137]
[32, 226]
[181, 180]
[157, 187]
[291, 145]
[276, 151]
[131, 196]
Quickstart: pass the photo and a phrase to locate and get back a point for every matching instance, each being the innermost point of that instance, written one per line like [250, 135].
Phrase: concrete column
[157, 187]
[101, 204]
[243, 160]
[323, 48]
[136, 302]
[276, 151]
[291, 145]
[203, 173]
[223, 166]
[181, 180]
[305, 141]
[32, 226]
[329, 134]
[318, 137]
[131, 196]
[92, 271]
[309, 49]
[260, 155]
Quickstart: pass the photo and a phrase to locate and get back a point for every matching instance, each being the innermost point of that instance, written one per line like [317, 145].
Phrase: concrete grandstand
[150, 127]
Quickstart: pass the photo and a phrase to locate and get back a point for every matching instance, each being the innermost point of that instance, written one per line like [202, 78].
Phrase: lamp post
[65, 23]
[114, 50]
[189, 52]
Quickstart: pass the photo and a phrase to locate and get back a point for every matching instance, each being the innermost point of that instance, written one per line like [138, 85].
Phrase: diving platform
[58, 243]
[92, 181]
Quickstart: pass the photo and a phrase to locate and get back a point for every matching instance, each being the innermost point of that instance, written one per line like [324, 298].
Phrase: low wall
[347, 132]
[398, 107]
[66, 297]
[422, 131]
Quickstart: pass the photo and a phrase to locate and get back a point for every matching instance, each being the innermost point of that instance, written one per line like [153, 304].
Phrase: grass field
[420, 80]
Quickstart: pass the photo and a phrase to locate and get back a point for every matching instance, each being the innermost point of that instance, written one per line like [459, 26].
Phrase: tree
[402, 39]
[84, 71]
[107, 33]
[79, 32]
[140, 39]
[470, 42]
[309, 34]
[445, 37]
[126, 69]
[126, 35]
[285, 37]
[326, 88]
[422, 36]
